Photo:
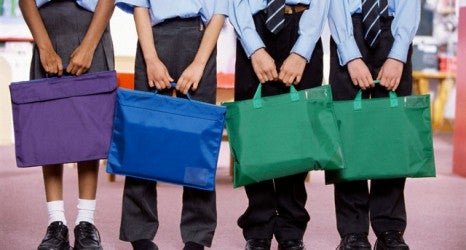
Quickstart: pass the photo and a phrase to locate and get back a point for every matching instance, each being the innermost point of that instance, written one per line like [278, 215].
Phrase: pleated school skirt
[67, 23]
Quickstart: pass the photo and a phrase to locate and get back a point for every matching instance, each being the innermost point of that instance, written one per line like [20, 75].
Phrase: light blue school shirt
[311, 24]
[86, 4]
[406, 13]
[161, 10]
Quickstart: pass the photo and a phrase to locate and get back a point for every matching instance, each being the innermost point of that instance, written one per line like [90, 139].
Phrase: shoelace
[86, 232]
[356, 237]
[394, 237]
[350, 239]
[260, 243]
[54, 231]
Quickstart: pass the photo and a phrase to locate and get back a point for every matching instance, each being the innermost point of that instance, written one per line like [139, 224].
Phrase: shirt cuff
[348, 51]
[399, 51]
[254, 42]
[303, 48]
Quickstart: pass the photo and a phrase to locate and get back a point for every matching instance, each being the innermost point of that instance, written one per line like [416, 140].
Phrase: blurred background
[435, 206]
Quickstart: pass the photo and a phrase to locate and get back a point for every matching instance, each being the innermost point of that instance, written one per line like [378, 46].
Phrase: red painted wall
[459, 134]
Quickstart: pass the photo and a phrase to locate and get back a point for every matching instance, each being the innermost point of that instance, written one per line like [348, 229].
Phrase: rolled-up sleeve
[128, 5]
[221, 7]
[87, 4]
[39, 3]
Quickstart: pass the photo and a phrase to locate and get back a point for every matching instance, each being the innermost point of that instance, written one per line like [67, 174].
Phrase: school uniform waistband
[181, 22]
[292, 9]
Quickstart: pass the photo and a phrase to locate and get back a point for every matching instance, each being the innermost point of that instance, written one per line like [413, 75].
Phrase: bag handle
[64, 72]
[357, 104]
[257, 99]
[64, 75]
[173, 85]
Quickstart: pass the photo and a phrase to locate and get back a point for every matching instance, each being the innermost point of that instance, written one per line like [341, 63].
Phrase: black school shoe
[56, 237]
[86, 237]
[391, 240]
[144, 244]
[354, 241]
[193, 246]
[258, 244]
[291, 245]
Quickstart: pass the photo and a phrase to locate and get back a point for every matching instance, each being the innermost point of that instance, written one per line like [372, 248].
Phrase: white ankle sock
[56, 211]
[86, 210]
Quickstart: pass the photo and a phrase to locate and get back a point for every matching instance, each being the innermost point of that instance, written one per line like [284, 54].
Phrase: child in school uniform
[73, 33]
[371, 40]
[176, 43]
[277, 47]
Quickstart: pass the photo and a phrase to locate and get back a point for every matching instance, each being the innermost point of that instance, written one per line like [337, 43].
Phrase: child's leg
[139, 218]
[85, 233]
[53, 183]
[198, 216]
[88, 172]
[56, 236]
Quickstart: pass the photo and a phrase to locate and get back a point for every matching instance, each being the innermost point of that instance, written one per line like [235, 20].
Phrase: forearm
[144, 31]
[36, 25]
[209, 40]
[99, 23]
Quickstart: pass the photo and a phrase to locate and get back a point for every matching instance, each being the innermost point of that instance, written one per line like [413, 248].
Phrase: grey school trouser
[177, 41]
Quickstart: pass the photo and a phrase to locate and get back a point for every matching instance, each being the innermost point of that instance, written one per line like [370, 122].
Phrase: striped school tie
[372, 10]
[275, 15]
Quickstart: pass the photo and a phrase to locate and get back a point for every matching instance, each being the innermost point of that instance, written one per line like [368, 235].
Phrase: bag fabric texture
[63, 119]
[384, 138]
[282, 135]
[163, 138]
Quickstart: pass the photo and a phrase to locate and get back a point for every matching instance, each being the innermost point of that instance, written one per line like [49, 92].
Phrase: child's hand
[157, 74]
[390, 74]
[264, 66]
[51, 62]
[360, 74]
[292, 69]
[80, 60]
[190, 78]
